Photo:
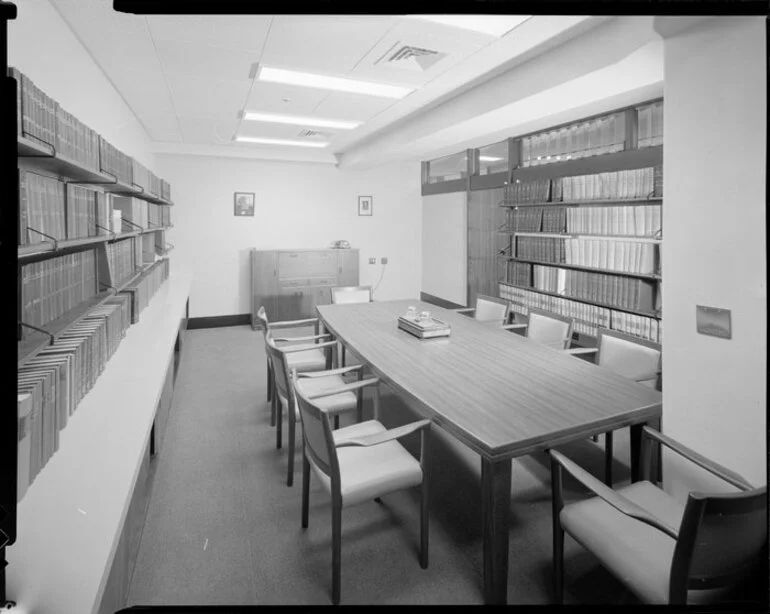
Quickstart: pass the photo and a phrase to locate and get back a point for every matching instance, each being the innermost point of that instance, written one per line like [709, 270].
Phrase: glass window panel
[448, 168]
[493, 158]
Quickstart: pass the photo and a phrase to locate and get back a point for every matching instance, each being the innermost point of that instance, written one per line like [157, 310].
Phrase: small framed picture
[365, 205]
[244, 203]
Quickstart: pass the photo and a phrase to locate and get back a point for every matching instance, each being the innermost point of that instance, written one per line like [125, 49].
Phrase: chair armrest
[310, 338]
[718, 470]
[647, 377]
[582, 350]
[378, 438]
[513, 326]
[465, 310]
[310, 346]
[616, 500]
[346, 388]
[293, 323]
[340, 371]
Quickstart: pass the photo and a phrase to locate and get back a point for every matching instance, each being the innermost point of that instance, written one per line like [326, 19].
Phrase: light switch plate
[372, 260]
[713, 321]
[384, 260]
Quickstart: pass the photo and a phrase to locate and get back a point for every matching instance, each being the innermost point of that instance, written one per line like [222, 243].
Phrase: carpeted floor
[222, 527]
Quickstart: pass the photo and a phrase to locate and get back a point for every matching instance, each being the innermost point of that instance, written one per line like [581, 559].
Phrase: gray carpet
[222, 527]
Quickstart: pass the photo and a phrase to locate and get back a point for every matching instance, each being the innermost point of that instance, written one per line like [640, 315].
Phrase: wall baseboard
[241, 319]
[434, 300]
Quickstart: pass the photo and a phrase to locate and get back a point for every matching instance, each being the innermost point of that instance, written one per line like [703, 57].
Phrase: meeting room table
[497, 392]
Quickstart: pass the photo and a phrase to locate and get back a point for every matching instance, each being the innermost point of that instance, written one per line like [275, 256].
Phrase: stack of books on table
[424, 329]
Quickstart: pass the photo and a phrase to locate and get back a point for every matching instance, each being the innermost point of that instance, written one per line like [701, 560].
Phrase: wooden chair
[284, 391]
[350, 294]
[309, 359]
[488, 309]
[546, 327]
[357, 463]
[662, 550]
[631, 357]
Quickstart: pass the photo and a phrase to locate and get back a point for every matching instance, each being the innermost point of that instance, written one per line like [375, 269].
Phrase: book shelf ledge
[639, 312]
[609, 202]
[578, 267]
[581, 235]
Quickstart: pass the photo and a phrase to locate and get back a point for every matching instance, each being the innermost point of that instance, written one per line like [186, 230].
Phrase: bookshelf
[92, 252]
[582, 235]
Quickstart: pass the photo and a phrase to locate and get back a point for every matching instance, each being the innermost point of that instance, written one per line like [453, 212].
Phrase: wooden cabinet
[290, 283]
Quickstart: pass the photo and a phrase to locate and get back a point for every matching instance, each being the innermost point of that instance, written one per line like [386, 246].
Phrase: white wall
[297, 206]
[714, 391]
[445, 246]
[42, 46]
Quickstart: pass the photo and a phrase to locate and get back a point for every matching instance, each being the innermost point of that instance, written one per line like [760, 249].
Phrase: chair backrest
[351, 294]
[316, 432]
[720, 540]
[278, 360]
[549, 328]
[262, 317]
[489, 308]
[629, 356]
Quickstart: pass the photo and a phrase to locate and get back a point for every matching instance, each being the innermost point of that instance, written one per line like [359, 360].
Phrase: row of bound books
[634, 220]
[52, 383]
[622, 256]
[613, 185]
[142, 290]
[519, 273]
[40, 118]
[50, 288]
[594, 137]
[613, 290]
[587, 318]
[121, 260]
[132, 209]
[537, 219]
[158, 215]
[650, 125]
[543, 249]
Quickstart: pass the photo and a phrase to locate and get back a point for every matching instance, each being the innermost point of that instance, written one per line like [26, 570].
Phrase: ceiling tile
[207, 130]
[282, 131]
[242, 31]
[201, 96]
[162, 128]
[354, 107]
[287, 99]
[327, 44]
[152, 98]
[100, 14]
[186, 58]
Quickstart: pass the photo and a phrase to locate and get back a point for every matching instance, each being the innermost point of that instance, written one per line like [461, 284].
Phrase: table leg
[636, 451]
[496, 501]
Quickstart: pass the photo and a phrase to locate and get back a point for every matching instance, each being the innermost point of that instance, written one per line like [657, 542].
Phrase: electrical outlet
[372, 260]
[384, 260]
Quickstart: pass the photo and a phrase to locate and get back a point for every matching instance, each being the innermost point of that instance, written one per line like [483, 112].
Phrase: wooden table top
[499, 392]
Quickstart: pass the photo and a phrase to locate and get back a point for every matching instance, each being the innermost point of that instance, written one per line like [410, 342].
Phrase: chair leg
[342, 355]
[336, 549]
[305, 488]
[292, 436]
[269, 382]
[608, 457]
[278, 424]
[273, 403]
[594, 438]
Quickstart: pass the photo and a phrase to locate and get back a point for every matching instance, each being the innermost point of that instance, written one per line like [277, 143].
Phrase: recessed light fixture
[325, 82]
[489, 159]
[301, 121]
[256, 139]
[494, 25]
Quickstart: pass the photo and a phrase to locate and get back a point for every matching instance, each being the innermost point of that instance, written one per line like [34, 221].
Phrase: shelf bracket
[113, 182]
[32, 137]
[37, 328]
[138, 187]
[132, 224]
[108, 230]
[103, 285]
[54, 239]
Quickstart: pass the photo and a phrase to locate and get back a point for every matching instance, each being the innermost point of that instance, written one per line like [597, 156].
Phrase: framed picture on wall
[365, 205]
[244, 203]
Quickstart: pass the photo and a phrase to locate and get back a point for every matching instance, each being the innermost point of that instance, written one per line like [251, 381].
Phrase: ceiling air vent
[416, 59]
[312, 134]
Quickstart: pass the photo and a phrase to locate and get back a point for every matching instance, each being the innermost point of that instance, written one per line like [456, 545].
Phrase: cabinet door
[289, 305]
[321, 263]
[292, 264]
[264, 283]
[347, 267]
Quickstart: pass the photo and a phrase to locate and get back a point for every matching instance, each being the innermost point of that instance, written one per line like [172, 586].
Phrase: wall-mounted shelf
[48, 248]
[582, 235]
[577, 267]
[605, 202]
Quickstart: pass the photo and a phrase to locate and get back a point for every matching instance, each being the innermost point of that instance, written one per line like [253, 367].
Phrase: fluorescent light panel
[489, 159]
[494, 25]
[301, 121]
[324, 82]
[256, 139]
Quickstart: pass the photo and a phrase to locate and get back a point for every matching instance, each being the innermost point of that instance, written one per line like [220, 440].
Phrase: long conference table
[497, 392]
